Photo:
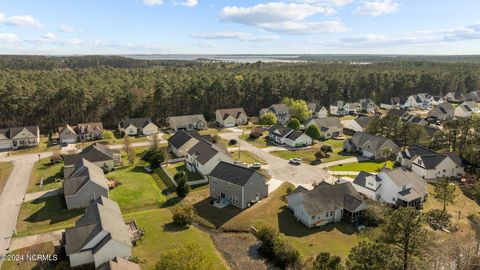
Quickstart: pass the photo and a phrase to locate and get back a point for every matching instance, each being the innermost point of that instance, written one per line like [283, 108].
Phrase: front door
[222, 195]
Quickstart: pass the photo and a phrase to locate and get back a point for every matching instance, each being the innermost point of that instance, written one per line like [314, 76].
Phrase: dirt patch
[240, 250]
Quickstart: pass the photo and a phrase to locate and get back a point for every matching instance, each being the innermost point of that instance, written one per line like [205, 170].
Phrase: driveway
[12, 196]
[279, 168]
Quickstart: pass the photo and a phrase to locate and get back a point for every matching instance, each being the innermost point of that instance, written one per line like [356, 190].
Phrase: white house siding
[25, 138]
[206, 168]
[302, 215]
[459, 112]
[131, 130]
[366, 192]
[4, 143]
[150, 129]
[80, 258]
[389, 191]
[111, 250]
[352, 125]
[303, 140]
[446, 168]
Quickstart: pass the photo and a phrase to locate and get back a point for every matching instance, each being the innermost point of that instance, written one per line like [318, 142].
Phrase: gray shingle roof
[279, 108]
[83, 173]
[101, 215]
[364, 121]
[205, 150]
[15, 130]
[136, 122]
[328, 122]
[361, 179]
[279, 130]
[185, 120]
[181, 137]
[94, 153]
[294, 135]
[361, 138]
[234, 174]
[234, 112]
[402, 176]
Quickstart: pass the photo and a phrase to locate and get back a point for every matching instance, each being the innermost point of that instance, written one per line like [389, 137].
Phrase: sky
[239, 27]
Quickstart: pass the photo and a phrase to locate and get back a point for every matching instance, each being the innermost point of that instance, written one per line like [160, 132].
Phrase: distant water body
[220, 58]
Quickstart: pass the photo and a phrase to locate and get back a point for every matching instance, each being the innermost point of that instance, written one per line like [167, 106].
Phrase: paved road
[12, 196]
[279, 168]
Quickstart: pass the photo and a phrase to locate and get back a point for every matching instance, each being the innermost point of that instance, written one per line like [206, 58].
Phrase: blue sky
[239, 26]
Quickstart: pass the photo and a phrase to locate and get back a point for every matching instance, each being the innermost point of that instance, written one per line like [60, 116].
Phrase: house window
[313, 217]
[404, 187]
[444, 170]
[229, 185]
[394, 199]
[331, 213]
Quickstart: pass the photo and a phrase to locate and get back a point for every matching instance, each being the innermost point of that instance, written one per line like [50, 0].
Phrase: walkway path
[28, 241]
[12, 196]
[42, 194]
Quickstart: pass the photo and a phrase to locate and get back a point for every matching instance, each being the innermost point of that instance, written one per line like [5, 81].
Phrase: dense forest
[50, 91]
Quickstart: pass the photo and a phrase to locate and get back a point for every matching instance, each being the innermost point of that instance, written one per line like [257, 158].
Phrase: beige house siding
[182, 151]
[150, 129]
[85, 196]
[111, 250]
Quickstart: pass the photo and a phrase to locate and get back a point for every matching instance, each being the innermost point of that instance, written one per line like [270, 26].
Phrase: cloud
[153, 2]
[207, 45]
[336, 3]
[48, 37]
[8, 37]
[376, 8]
[283, 17]
[21, 20]
[241, 36]
[67, 28]
[72, 41]
[187, 3]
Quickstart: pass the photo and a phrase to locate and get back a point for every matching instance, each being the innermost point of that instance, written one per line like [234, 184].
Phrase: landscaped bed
[50, 172]
[5, 170]
[174, 168]
[368, 166]
[161, 235]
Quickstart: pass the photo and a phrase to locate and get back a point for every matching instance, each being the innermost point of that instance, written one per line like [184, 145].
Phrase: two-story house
[399, 187]
[367, 105]
[80, 132]
[204, 156]
[281, 112]
[340, 108]
[237, 185]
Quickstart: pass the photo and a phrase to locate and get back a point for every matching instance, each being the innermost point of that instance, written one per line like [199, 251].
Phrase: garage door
[367, 154]
[5, 145]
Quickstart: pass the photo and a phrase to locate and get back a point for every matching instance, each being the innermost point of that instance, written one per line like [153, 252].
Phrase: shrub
[56, 157]
[326, 148]
[275, 248]
[294, 124]
[268, 119]
[184, 215]
[313, 131]
[189, 256]
[155, 155]
[183, 188]
[320, 154]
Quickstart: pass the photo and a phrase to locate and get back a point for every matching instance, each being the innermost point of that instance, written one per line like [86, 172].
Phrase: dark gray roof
[136, 122]
[181, 137]
[361, 179]
[294, 135]
[432, 161]
[364, 121]
[328, 122]
[93, 153]
[396, 112]
[83, 173]
[205, 150]
[361, 138]
[279, 108]
[455, 157]
[417, 150]
[234, 112]
[235, 174]
[15, 130]
[279, 130]
[329, 198]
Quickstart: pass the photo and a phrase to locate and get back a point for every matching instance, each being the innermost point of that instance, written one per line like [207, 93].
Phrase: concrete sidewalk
[42, 194]
[28, 241]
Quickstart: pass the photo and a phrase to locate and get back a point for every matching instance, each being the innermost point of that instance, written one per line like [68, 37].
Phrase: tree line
[51, 91]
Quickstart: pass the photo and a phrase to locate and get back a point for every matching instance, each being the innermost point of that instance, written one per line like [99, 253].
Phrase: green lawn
[161, 235]
[368, 166]
[175, 168]
[44, 215]
[5, 170]
[260, 142]
[49, 172]
[247, 157]
[138, 189]
[337, 238]
[209, 131]
[307, 155]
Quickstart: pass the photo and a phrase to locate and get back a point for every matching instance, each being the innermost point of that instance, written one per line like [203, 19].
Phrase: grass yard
[138, 189]
[175, 168]
[260, 142]
[45, 215]
[42, 147]
[209, 131]
[307, 155]
[161, 235]
[368, 166]
[337, 239]
[5, 170]
[247, 157]
[45, 248]
[49, 172]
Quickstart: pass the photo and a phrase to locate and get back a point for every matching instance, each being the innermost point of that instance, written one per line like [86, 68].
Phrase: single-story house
[96, 153]
[285, 135]
[84, 184]
[399, 187]
[138, 126]
[231, 117]
[454, 97]
[340, 108]
[326, 203]
[330, 127]
[187, 122]
[237, 185]
[473, 96]
[19, 137]
[463, 110]
[442, 112]
[370, 146]
[99, 236]
[281, 111]
[359, 124]
[430, 164]
[204, 156]
[472, 105]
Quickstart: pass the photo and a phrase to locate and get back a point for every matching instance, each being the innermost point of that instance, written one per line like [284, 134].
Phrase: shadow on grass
[214, 215]
[289, 226]
[53, 210]
[172, 227]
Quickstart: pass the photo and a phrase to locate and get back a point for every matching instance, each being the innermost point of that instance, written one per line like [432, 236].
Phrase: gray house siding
[85, 196]
[255, 189]
[232, 192]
